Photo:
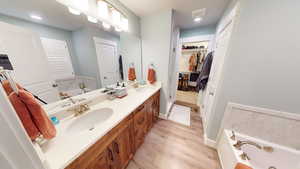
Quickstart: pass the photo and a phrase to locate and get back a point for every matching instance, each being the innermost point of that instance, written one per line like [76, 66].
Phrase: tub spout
[239, 144]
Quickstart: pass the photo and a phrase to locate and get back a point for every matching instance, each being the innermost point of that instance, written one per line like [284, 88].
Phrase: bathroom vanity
[122, 125]
[117, 147]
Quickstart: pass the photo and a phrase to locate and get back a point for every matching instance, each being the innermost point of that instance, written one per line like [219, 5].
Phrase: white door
[28, 58]
[107, 61]
[222, 43]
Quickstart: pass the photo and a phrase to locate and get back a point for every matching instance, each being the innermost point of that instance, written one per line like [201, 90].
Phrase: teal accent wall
[86, 51]
[203, 30]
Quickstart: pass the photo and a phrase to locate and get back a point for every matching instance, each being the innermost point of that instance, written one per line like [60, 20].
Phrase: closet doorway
[190, 64]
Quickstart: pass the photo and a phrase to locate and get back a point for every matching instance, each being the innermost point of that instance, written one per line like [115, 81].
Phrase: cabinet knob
[54, 85]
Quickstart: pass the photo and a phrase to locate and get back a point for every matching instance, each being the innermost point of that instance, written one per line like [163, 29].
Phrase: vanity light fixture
[118, 29]
[36, 17]
[92, 19]
[106, 25]
[74, 11]
[98, 11]
[102, 9]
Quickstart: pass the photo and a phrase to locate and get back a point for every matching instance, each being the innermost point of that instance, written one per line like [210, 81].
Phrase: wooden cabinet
[155, 107]
[149, 104]
[122, 146]
[100, 162]
[117, 147]
[140, 126]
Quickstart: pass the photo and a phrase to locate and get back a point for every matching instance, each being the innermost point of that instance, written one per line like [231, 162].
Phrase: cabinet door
[122, 146]
[140, 126]
[150, 114]
[113, 158]
[155, 107]
[101, 162]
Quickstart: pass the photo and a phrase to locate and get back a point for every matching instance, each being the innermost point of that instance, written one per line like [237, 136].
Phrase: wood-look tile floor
[173, 146]
[187, 96]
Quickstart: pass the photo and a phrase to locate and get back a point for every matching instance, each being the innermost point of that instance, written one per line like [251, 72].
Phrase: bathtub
[281, 158]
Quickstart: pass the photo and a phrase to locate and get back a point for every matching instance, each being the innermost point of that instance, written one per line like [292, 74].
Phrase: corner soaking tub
[281, 157]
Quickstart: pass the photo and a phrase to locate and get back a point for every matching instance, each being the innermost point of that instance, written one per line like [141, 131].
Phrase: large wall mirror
[56, 55]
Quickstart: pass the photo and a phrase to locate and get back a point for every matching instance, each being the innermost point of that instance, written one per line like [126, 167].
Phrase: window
[59, 60]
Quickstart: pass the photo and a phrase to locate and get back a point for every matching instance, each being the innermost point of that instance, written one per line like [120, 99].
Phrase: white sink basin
[88, 121]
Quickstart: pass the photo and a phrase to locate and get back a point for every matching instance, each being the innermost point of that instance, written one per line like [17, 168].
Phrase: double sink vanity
[106, 135]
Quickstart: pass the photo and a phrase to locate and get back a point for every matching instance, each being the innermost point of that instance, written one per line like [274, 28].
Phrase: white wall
[156, 32]
[15, 146]
[262, 65]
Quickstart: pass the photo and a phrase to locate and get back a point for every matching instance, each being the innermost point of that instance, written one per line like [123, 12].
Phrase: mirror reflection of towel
[131, 74]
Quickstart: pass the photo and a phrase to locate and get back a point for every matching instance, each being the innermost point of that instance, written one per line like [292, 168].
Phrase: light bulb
[102, 9]
[124, 24]
[74, 11]
[116, 17]
[197, 19]
[106, 25]
[92, 19]
[118, 29]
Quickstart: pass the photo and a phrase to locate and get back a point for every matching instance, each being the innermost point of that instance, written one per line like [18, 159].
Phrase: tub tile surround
[69, 85]
[275, 126]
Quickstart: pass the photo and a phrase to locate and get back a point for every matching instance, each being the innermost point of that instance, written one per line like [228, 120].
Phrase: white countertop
[64, 148]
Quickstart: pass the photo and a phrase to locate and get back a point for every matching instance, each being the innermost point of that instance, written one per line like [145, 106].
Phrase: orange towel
[7, 88]
[151, 75]
[24, 116]
[131, 74]
[242, 166]
[38, 115]
[30, 112]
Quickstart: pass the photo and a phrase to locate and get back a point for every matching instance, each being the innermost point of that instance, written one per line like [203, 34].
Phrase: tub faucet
[238, 145]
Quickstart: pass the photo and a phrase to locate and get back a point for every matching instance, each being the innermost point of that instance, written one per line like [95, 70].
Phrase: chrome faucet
[244, 156]
[238, 145]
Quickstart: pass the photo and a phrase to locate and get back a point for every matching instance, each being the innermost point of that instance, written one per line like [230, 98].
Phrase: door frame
[211, 46]
[99, 59]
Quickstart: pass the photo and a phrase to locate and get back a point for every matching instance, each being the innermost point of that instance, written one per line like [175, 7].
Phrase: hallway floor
[173, 146]
[189, 97]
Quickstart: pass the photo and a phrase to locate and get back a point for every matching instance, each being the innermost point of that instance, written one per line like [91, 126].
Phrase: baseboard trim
[209, 142]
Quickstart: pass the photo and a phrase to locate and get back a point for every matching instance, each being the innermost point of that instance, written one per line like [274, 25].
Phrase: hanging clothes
[192, 62]
[121, 67]
[205, 71]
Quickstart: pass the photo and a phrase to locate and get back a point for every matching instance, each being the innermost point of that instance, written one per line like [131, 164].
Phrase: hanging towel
[205, 71]
[30, 112]
[121, 67]
[131, 74]
[6, 86]
[24, 116]
[242, 166]
[38, 115]
[151, 75]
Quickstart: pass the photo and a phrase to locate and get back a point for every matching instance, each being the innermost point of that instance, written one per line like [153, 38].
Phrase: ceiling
[53, 13]
[57, 15]
[183, 10]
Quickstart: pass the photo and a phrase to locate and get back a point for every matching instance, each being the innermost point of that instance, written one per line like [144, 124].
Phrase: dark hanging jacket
[204, 73]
